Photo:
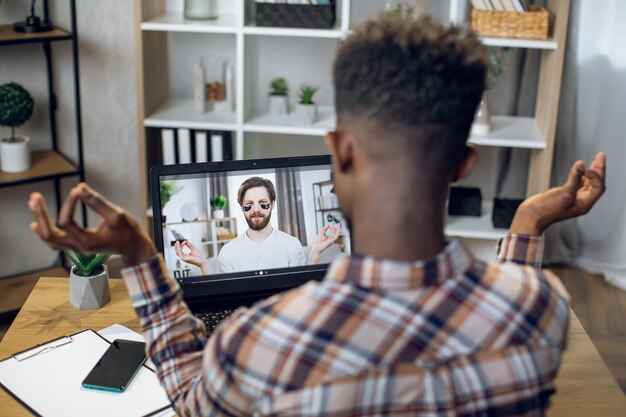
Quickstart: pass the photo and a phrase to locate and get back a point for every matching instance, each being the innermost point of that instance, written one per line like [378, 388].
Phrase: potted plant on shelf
[16, 107]
[167, 189]
[482, 120]
[306, 110]
[279, 91]
[218, 203]
[89, 280]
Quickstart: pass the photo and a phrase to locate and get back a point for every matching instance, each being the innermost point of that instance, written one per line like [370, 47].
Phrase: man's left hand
[576, 197]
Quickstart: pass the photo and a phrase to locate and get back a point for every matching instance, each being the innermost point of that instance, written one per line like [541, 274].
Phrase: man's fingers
[37, 204]
[574, 178]
[66, 214]
[594, 182]
[109, 211]
[598, 165]
[177, 249]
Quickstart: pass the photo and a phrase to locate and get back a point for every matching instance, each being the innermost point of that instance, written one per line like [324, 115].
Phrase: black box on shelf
[464, 201]
[319, 16]
[503, 212]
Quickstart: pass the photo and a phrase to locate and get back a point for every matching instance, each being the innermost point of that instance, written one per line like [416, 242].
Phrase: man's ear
[340, 146]
[467, 164]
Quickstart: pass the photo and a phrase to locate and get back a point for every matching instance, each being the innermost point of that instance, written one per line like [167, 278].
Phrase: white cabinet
[170, 46]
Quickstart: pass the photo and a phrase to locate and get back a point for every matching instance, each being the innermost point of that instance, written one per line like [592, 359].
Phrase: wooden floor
[600, 307]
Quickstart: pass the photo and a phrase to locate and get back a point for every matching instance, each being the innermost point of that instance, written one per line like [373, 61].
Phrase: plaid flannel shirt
[446, 336]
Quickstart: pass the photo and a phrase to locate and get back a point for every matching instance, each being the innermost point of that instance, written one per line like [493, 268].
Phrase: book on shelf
[500, 5]
[508, 5]
[328, 201]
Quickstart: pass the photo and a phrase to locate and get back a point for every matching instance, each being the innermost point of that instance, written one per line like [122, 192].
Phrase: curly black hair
[413, 79]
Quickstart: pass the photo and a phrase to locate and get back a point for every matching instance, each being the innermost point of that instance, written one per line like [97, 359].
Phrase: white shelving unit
[305, 56]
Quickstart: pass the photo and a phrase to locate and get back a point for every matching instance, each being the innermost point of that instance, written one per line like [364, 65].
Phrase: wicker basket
[532, 24]
[295, 15]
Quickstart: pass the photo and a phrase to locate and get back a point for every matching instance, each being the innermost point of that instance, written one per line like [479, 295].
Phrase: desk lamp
[33, 23]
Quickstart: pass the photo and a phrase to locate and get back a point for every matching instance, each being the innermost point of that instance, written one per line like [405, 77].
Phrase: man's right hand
[117, 233]
[193, 257]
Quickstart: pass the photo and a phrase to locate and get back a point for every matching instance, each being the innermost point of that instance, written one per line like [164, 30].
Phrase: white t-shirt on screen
[278, 250]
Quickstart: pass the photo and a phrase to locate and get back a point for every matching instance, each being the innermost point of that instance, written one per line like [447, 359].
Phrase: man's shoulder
[518, 280]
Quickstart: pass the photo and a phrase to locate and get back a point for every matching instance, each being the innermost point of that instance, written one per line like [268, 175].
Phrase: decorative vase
[15, 156]
[482, 119]
[201, 9]
[89, 293]
[218, 214]
[306, 113]
[279, 105]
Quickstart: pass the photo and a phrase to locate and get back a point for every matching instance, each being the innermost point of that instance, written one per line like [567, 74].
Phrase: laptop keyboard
[212, 318]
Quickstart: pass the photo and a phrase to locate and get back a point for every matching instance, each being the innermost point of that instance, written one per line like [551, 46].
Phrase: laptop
[188, 205]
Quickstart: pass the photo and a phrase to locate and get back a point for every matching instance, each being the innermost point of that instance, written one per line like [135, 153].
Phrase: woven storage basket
[295, 15]
[532, 24]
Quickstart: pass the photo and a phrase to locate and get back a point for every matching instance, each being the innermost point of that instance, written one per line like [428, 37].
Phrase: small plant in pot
[218, 203]
[16, 108]
[89, 280]
[167, 189]
[306, 111]
[279, 100]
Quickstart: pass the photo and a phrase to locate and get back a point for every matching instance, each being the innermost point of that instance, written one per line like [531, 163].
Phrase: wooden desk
[585, 387]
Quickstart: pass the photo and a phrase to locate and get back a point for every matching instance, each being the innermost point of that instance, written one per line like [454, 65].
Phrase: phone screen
[117, 366]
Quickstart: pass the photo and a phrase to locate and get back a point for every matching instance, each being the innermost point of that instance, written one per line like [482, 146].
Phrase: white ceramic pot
[306, 113]
[89, 293]
[15, 156]
[482, 119]
[279, 105]
[218, 214]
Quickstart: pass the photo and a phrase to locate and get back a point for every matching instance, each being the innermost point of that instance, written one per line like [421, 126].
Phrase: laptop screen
[209, 218]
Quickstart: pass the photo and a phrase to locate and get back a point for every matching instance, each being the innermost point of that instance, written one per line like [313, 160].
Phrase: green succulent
[306, 94]
[496, 66]
[87, 264]
[16, 106]
[167, 190]
[218, 202]
[279, 87]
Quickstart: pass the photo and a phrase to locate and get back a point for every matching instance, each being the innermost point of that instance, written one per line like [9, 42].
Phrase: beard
[256, 226]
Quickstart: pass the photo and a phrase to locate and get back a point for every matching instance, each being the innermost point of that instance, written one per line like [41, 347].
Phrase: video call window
[305, 203]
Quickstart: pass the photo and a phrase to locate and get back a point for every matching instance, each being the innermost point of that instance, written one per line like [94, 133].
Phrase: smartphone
[117, 366]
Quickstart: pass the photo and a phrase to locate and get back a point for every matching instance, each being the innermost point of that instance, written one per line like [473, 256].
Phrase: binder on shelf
[168, 151]
[184, 146]
[227, 146]
[47, 379]
[217, 147]
[202, 150]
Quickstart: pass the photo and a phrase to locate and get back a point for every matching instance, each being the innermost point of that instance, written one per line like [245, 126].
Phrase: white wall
[109, 110]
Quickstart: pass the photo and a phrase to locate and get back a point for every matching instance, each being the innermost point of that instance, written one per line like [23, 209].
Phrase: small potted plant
[167, 189]
[16, 107]
[89, 280]
[306, 110]
[218, 203]
[279, 91]
[482, 119]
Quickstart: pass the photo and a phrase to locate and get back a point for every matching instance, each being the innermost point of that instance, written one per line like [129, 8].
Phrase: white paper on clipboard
[47, 379]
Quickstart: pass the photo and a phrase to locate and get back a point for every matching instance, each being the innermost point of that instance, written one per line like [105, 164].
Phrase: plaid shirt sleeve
[176, 343]
[520, 249]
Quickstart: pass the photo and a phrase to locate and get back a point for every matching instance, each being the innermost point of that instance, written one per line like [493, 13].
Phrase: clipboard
[47, 379]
